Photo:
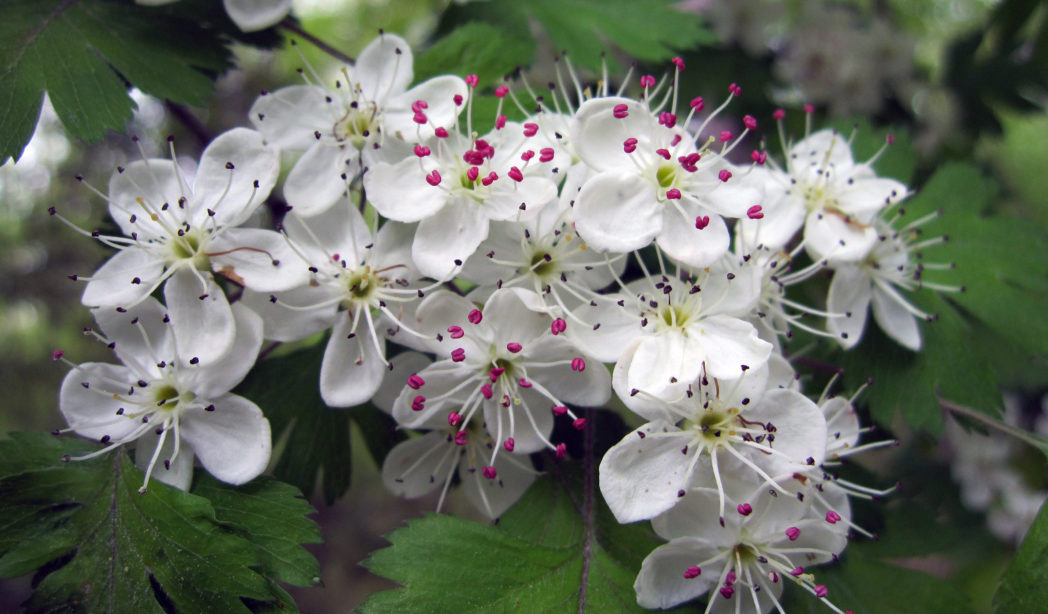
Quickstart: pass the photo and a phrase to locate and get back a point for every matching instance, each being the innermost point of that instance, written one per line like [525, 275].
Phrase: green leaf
[1024, 586]
[100, 546]
[272, 515]
[475, 48]
[554, 551]
[316, 437]
[586, 29]
[86, 54]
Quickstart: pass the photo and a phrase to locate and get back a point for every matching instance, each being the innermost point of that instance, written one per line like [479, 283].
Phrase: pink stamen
[57, 355]
[664, 153]
[679, 63]
[735, 89]
[460, 438]
[667, 119]
[725, 136]
[486, 391]
[558, 326]
[629, 145]
[692, 572]
[755, 212]
[759, 156]
[472, 80]
[419, 106]
[458, 100]
[514, 347]
[418, 403]
[796, 571]
[647, 81]
[562, 451]
[809, 108]
[673, 194]
[546, 154]
[727, 591]
[495, 372]
[821, 591]
[454, 419]
[578, 364]
[415, 382]
[475, 316]
[456, 332]
[501, 91]
[458, 355]
[833, 517]
[420, 118]
[778, 115]
[620, 111]
[793, 533]
[702, 221]
[509, 444]
[527, 155]
[433, 178]
[422, 151]
[515, 174]
[524, 383]
[750, 122]
[490, 179]
[745, 509]
[531, 129]
[579, 424]
[724, 175]
[890, 139]
[441, 133]
[697, 103]
[559, 410]
[500, 122]
[473, 173]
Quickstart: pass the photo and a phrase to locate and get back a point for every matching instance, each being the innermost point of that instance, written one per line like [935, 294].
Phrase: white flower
[359, 285]
[504, 362]
[743, 562]
[179, 235]
[653, 181]
[455, 186]
[249, 15]
[712, 434]
[370, 109]
[163, 397]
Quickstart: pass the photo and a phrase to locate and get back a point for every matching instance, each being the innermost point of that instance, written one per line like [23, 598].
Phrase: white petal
[590, 387]
[439, 93]
[800, 430]
[645, 405]
[179, 470]
[315, 183]
[505, 203]
[444, 241]
[290, 117]
[682, 241]
[618, 327]
[829, 236]
[254, 15]
[642, 477]
[599, 135]
[113, 283]
[729, 344]
[849, 296]
[280, 323]
[661, 582]
[517, 315]
[400, 191]
[866, 197]
[201, 319]
[339, 230]
[439, 381]
[656, 361]
[493, 497]
[384, 67]
[222, 376]
[405, 365]
[895, 320]
[352, 369]
[232, 442]
[92, 411]
[125, 329]
[822, 148]
[532, 421]
[259, 259]
[617, 212]
[155, 182]
[419, 465]
[231, 193]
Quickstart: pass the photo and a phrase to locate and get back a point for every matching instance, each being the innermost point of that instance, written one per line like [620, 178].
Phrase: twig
[290, 25]
[190, 121]
[1008, 429]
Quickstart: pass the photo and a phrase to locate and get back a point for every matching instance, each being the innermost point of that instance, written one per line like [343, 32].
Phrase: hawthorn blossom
[507, 362]
[707, 437]
[359, 286]
[654, 181]
[742, 562]
[179, 234]
[344, 129]
[455, 186]
[165, 401]
[893, 263]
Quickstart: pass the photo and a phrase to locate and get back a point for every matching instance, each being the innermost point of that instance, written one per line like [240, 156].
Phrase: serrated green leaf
[557, 550]
[317, 437]
[108, 548]
[85, 53]
[1024, 586]
[272, 515]
[475, 48]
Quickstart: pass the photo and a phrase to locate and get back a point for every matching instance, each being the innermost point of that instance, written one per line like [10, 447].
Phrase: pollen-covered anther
[562, 451]
[422, 151]
[692, 572]
[490, 472]
[559, 410]
[744, 509]
[515, 174]
[750, 122]
[833, 517]
[433, 178]
[647, 81]
[501, 91]
[546, 154]
[724, 175]
[458, 355]
[475, 316]
[735, 90]
[755, 212]
[472, 80]
[531, 129]
[415, 382]
[524, 383]
[629, 145]
[460, 438]
[725, 136]
[456, 332]
[702, 221]
[578, 364]
[514, 347]
[793, 533]
[673, 194]
[454, 418]
[620, 111]
[418, 403]
[558, 326]
[579, 423]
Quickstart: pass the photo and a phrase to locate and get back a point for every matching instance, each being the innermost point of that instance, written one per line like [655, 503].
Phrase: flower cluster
[602, 244]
